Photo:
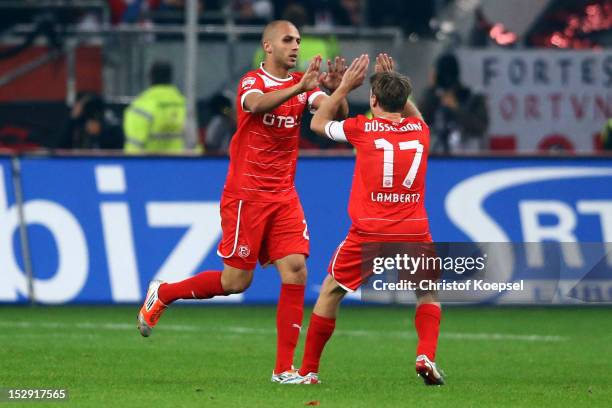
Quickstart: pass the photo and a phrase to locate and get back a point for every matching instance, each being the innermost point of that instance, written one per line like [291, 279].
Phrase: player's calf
[204, 285]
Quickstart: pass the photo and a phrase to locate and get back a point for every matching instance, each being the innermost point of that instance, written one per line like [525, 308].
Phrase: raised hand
[384, 63]
[310, 79]
[355, 74]
[335, 70]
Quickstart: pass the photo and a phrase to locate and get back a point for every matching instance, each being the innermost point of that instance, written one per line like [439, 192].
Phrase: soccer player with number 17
[386, 205]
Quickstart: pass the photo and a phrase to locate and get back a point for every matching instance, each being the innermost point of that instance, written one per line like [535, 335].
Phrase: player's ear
[373, 100]
[267, 47]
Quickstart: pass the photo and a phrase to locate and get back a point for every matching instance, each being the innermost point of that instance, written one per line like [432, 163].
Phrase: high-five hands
[335, 70]
[356, 72]
[384, 63]
[311, 78]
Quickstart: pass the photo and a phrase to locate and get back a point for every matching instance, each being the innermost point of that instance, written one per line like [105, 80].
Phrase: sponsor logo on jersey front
[280, 121]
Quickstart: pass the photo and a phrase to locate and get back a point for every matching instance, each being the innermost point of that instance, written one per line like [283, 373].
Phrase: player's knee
[300, 271]
[295, 273]
[235, 280]
[330, 288]
[236, 285]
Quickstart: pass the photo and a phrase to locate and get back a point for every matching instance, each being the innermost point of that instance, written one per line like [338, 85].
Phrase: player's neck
[392, 116]
[275, 70]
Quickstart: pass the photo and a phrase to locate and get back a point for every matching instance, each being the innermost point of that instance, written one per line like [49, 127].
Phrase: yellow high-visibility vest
[155, 121]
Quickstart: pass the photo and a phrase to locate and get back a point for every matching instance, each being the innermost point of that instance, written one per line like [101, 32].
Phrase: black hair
[447, 71]
[161, 73]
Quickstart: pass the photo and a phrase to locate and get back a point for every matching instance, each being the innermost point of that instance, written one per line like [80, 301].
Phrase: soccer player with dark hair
[261, 215]
[391, 163]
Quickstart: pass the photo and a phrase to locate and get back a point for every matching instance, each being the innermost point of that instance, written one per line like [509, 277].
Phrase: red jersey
[388, 194]
[264, 149]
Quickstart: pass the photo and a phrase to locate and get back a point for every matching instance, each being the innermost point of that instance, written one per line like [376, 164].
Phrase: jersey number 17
[388, 160]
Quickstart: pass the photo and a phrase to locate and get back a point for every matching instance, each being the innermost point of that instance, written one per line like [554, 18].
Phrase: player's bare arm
[352, 79]
[262, 103]
[411, 110]
[331, 81]
[385, 63]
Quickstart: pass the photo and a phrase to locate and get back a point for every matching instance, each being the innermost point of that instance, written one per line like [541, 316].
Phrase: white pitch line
[263, 331]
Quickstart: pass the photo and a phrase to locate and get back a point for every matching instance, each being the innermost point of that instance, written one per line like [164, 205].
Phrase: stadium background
[93, 227]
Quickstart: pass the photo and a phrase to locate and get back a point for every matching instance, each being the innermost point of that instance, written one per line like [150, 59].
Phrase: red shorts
[351, 263]
[263, 231]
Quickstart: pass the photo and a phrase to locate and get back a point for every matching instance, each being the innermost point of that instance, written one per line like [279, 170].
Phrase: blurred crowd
[457, 115]
[327, 13]
[322, 13]
[563, 24]
[413, 16]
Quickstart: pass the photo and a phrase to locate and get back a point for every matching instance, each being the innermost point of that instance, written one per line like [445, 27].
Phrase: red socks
[204, 285]
[319, 332]
[289, 315]
[427, 323]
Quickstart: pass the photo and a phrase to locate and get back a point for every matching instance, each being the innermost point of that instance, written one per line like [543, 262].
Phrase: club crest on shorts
[302, 97]
[243, 251]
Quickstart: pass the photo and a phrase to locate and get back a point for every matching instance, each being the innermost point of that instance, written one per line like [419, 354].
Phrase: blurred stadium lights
[593, 18]
[501, 36]
[581, 24]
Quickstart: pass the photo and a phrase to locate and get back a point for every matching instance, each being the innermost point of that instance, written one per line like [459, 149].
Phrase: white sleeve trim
[312, 98]
[244, 96]
[335, 131]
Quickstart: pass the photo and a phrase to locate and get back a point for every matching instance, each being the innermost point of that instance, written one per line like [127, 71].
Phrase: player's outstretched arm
[352, 79]
[385, 63]
[262, 103]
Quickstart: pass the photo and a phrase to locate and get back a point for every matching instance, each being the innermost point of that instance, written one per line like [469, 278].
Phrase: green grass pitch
[221, 356]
